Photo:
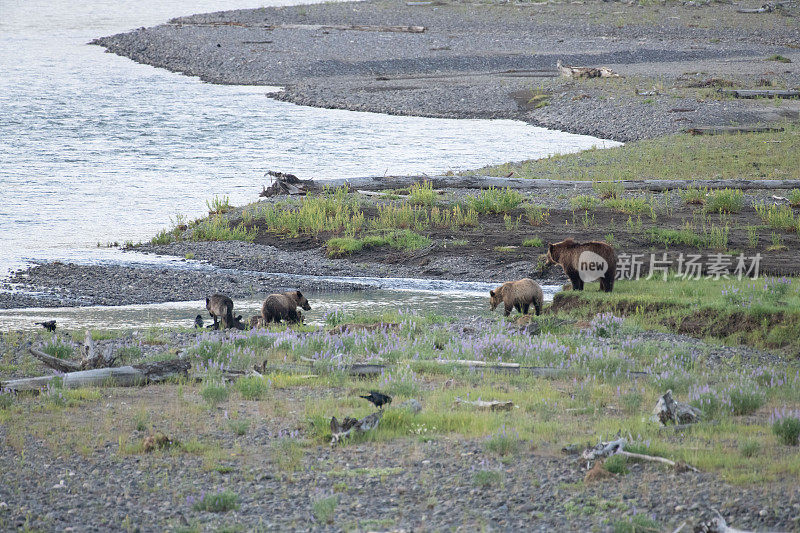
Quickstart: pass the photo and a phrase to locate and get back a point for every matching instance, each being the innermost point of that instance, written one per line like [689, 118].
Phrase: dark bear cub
[220, 307]
[585, 262]
[284, 306]
[518, 294]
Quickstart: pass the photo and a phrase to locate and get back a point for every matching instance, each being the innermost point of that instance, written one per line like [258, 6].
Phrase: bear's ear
[491, 293]
[299, 294]
[207, 300]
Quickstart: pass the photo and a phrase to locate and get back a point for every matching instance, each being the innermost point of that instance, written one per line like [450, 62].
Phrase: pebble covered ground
[492, 60]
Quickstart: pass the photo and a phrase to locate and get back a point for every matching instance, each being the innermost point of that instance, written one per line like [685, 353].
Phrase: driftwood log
[603, 450]
[348, 426]
[585, 72]
[310, 27]
[379, 183]
[716, 525]
[668, 410]
[761, 93]
[512, 368]
[354, 369]
[493, 405]
[123, 376]
[728, 130]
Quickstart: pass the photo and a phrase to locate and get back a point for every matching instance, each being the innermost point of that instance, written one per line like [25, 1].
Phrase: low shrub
[220, 502]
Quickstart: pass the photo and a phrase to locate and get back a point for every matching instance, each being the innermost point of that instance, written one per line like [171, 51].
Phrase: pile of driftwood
[287, 184]
[585, 72]
[96, 369]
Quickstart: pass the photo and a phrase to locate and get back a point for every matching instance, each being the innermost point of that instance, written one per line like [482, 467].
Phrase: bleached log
[729, 130]
[379, 183]
[604, 449]
[653, 459]
[494, 405]
[348, 426]
[354, 369]
[124, 376]
[585, 72]
[761, 93]
[717, 525]
[668, 410]
[62, 365]
[310, 27]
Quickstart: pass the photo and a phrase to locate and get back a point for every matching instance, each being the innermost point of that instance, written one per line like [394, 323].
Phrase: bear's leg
[508, 309]
[577, 282]
[518, 307]
[525, 308]
[607, 282]
[538, 307]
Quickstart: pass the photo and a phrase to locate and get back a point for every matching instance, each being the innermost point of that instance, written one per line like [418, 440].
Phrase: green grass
[681, 156]
[608, 189]
[536, 215]
[724, 201]
[252, 387]
[630, 206]
[220, 502]
[760, 313]
[422, 194]
[776, 216]
[787, 430]
[400, 240]
[485, 479]
[214, 394]
[324, 509]
[534, 242]
[218, 205]
[584, 202]
[494, 200]
[779, 58]
[794, 198]
[636, 524]
[58, 349]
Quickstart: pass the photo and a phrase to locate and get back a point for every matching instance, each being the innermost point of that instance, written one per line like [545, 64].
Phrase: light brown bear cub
[584, 262]
[518, 294]
[284, 306]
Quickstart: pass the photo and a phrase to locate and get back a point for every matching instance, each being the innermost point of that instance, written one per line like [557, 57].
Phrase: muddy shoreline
[495, 61]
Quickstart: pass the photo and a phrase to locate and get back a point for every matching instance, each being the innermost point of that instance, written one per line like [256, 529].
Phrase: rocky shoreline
[496, 61]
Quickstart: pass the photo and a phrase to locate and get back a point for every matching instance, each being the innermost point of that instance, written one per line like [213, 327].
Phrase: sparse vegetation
[220, 502]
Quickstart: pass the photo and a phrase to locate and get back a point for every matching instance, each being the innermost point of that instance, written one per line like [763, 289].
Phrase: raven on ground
[49, 325]
[198, 321]
[379, 399]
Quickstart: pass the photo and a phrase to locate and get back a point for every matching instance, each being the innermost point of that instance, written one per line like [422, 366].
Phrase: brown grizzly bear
[284, 306]
[585, 262]
[518, 294]
[220, 307]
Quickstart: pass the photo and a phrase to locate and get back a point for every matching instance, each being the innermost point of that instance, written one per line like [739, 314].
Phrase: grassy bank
[763, 313]
[769, 155]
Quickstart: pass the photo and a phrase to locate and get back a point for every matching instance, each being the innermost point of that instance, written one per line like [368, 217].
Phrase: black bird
[198, 321]
[379, 399]
[49, 325]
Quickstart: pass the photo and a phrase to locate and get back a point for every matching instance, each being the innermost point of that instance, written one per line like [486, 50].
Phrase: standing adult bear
[284, 306]
[585, 262]
[518, 294]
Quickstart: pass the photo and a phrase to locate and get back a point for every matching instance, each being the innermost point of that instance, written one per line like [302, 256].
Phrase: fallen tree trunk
[354, 369]
[728, 130]
[379, 183]
[62, 365]
[343, 429]
[514, 368]
[312, 27]
[761, 93]
[494, 405]
[124, 376]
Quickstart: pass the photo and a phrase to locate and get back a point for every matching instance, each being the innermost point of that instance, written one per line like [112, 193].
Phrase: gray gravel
[478, 61]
